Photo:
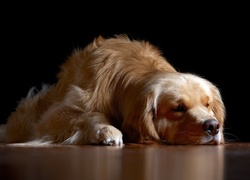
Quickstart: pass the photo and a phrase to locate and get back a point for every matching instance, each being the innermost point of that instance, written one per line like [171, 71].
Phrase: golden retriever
[119, 90]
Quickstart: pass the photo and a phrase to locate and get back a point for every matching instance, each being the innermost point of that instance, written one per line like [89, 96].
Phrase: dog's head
[178, 108]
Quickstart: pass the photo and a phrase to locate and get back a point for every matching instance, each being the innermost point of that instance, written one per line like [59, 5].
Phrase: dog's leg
[68, 125]
[94, 128]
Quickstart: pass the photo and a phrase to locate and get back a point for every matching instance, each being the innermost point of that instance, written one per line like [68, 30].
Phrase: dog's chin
[212, 140]
[198, 140]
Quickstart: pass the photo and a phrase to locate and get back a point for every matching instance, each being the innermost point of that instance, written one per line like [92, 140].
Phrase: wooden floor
[230, 161]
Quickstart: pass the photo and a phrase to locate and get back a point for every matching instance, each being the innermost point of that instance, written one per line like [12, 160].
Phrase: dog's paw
[108, 135]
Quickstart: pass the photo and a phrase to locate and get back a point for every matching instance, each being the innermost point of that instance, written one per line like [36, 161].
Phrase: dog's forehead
[179, 85]
[198, 82]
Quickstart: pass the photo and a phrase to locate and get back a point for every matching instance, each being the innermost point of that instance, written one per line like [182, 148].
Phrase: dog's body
[117, 90]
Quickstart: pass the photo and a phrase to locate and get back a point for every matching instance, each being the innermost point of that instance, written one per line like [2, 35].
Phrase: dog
[119, 90]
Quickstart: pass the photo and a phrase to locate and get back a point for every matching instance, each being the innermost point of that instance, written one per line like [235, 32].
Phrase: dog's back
[103, 64]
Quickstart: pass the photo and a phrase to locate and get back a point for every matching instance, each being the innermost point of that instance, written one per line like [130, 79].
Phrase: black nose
[211, 126]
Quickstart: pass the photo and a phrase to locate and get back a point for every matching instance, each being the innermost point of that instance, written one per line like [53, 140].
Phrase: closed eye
[179, 108]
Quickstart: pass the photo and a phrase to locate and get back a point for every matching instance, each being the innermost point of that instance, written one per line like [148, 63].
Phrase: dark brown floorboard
[139, 162]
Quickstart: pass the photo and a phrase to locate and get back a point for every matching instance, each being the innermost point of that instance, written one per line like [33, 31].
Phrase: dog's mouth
[207, 139]
[212, 143]
[213, 140]
[196, 140]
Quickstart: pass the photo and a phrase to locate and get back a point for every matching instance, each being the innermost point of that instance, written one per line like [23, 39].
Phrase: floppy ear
[138, 126]
[218, 106]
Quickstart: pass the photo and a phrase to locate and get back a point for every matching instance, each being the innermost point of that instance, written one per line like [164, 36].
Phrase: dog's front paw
[108, 135]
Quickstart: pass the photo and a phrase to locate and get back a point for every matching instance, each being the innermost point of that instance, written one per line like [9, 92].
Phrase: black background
[211, 41]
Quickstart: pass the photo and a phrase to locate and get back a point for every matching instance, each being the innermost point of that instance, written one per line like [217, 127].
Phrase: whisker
[228, 139]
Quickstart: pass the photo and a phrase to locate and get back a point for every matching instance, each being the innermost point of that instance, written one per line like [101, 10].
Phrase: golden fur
[118, 90]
